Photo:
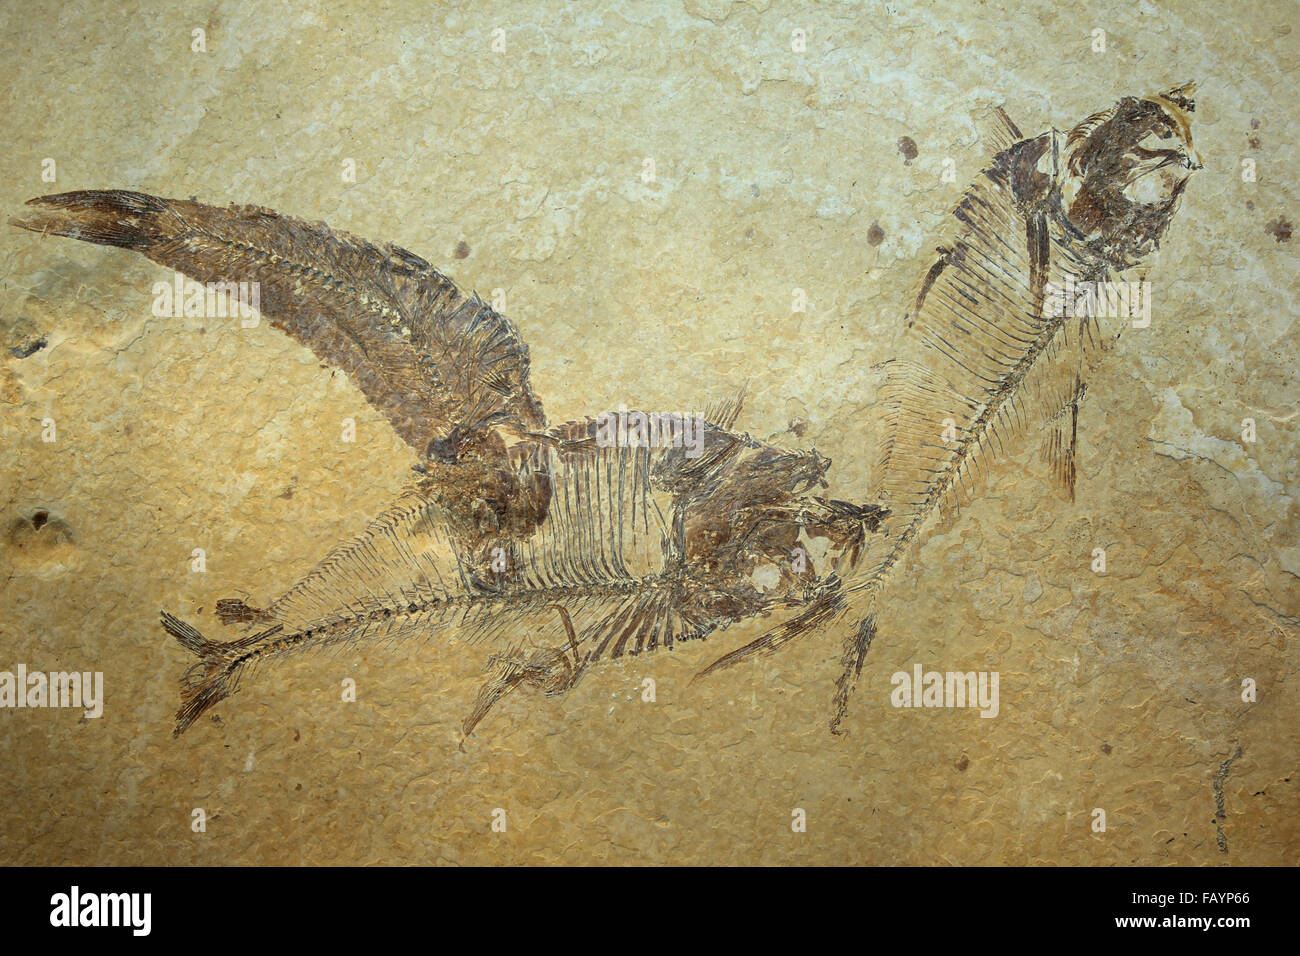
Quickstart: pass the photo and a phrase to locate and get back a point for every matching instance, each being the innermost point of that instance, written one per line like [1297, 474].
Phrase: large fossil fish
[563, 547]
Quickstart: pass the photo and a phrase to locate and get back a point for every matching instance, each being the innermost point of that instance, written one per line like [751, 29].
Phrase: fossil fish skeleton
[592, 549]
[1004, 329]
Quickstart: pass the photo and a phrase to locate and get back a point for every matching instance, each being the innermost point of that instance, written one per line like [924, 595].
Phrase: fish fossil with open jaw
[997, 342]
[562, 548]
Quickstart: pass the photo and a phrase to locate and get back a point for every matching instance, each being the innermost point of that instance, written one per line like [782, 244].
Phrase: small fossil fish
[521, 533]
[1005, 327]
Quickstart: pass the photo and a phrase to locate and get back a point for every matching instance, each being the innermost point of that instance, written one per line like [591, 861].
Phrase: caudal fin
[108, 217]
[216, 674]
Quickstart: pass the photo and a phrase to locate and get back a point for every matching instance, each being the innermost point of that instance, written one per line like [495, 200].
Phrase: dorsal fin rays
[725, 413]
[997, 131]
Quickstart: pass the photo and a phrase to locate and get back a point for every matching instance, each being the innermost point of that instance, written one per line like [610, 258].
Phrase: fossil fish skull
[1126, 170]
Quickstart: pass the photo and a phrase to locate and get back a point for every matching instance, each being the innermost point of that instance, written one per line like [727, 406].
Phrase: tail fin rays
[106, 217]
[215, 676]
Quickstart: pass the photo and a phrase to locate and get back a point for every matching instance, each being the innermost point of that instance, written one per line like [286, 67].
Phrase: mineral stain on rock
[28, 348]
[907, 146]
[1279, 229]
[41, 542]
[875, 235]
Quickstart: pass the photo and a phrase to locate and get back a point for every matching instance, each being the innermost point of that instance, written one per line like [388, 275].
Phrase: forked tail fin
[215, 676]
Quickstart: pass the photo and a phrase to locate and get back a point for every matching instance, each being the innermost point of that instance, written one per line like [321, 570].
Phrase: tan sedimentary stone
[1120, 690]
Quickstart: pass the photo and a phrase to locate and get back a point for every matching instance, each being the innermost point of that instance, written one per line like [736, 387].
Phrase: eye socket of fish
[446, 448]
[1163, 166]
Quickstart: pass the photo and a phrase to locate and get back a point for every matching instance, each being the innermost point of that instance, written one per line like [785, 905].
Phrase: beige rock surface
[1119, 691]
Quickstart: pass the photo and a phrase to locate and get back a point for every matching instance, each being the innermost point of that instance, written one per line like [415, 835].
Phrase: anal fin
[1062, 442]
